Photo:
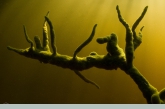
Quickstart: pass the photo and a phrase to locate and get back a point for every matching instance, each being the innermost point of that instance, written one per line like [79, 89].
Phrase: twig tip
[141, 28]
[117, 6]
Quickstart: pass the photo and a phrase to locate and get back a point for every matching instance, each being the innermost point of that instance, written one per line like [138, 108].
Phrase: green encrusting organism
[115, 58]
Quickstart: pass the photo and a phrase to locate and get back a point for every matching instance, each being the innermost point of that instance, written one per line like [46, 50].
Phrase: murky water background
[24, 80]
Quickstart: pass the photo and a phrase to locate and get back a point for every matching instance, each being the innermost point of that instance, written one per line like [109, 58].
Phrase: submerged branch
[115, 58]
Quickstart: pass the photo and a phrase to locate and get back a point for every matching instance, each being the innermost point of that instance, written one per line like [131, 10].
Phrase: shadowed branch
[115, 57]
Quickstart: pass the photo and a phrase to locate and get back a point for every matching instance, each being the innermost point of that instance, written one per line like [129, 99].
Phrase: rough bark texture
[115, 57]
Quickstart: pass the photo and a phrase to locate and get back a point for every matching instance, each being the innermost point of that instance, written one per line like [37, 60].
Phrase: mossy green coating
[115, 57]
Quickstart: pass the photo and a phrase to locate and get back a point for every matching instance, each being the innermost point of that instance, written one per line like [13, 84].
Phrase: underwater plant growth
[115, 58]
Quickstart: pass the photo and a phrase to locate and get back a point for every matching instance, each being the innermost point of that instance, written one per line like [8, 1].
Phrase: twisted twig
[112, 44]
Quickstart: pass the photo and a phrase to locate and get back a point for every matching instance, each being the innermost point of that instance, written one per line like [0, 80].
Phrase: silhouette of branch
[132, 42]
[115, 57]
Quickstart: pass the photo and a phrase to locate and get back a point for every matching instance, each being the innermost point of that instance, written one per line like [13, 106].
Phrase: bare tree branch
[115, 57]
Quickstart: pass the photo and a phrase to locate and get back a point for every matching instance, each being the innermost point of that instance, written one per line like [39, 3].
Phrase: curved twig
[138, 39]
[121, 19]
[85, 79]
[139, 19]
[129, 48]
[85, 43]
[141, 29]
[27, 38]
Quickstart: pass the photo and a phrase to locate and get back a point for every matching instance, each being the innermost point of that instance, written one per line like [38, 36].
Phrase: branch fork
[115, 58]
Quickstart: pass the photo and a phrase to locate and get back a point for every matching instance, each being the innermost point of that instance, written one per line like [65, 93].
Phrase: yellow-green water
[24, 80]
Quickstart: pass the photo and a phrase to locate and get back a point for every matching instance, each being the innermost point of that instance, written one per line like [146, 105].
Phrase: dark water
[24, 80]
